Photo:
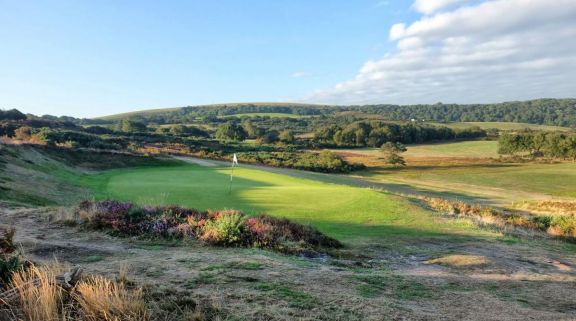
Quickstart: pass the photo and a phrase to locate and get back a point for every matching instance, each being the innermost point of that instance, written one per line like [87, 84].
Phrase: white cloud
[492, 51]
[431, 6]
[300, 74]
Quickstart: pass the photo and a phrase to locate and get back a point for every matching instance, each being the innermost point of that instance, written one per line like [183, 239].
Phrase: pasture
[271, 115]
[341, 211]
[502, 126]
[472, 170]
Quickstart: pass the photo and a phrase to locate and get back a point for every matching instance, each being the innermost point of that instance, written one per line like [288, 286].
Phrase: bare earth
[425, 279]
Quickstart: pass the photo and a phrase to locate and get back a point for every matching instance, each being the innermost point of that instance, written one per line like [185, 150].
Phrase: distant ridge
[174, 109]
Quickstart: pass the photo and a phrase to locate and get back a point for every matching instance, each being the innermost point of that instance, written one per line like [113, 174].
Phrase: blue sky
[89, 58]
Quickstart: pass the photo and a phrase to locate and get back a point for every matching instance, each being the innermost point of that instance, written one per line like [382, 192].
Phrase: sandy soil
[425, 279]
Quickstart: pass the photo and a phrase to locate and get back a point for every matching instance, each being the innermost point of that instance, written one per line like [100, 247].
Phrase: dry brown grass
[101, 299]
[93, 299]
[556, 207]
[460, 261]
[40, 299]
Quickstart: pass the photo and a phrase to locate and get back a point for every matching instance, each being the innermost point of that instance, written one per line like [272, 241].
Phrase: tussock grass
[40, 299]
[101, 299]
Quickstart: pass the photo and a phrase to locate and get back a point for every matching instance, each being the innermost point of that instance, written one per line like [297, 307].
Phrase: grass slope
[175, 109]
[271, 115]
[338, 210]
[502, 126]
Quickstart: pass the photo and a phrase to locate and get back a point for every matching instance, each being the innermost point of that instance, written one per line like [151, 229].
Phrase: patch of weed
[91, 259]
[295, 298]
[253, 266]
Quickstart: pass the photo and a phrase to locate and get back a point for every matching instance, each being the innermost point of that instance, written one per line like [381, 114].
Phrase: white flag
[234, 160]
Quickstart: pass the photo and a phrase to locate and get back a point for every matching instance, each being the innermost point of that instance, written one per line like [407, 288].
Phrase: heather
[215, 227]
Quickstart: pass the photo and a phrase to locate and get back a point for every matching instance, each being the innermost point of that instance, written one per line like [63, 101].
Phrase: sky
[87, 58]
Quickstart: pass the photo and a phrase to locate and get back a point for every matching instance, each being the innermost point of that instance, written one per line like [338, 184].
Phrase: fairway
[341, 211]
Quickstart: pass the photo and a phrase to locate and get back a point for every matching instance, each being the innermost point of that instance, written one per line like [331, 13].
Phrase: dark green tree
[391, 153]
[230, 131]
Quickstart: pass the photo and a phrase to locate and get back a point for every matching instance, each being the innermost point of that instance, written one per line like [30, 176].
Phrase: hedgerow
[224, 227]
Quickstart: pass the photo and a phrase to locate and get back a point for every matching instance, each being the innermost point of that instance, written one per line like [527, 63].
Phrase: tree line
[538, 144]
[376, 133]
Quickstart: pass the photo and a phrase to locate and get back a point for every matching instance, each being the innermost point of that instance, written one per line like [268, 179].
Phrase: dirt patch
[461, 261]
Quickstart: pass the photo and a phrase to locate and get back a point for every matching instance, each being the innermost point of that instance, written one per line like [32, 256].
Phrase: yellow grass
[460, 260]
[42, 301]
[103, 300]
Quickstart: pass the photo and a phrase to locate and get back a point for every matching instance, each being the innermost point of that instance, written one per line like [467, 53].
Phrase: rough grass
[502, 126]
[460, 260]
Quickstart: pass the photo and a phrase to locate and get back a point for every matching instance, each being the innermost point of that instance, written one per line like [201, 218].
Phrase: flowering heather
[225, 227]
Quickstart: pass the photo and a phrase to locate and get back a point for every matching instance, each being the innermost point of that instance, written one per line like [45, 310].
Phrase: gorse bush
[226, 227]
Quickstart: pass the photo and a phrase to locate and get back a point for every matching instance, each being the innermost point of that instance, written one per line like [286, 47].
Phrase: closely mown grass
[343, 212]
[227, 227]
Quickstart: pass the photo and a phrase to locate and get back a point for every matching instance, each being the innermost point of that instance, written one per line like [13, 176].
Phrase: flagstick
[231, 175]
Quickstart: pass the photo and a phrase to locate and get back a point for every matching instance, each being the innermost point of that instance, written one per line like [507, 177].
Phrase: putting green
[341, 211]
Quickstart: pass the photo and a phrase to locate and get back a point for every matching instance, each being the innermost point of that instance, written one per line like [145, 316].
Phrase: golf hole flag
[234, 163]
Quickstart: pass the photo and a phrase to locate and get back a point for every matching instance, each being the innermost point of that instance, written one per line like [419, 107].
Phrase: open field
[271, 115]
[471, 170]
[465, 149]
[502, 126]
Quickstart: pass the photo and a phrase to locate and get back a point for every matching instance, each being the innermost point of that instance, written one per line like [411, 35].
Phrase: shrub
[267, 231]
[226, 227]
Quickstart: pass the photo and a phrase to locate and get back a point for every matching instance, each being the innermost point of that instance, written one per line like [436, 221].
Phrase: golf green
[339, 210]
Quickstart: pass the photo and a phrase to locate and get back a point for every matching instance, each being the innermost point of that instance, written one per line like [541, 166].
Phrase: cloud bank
[459, 52]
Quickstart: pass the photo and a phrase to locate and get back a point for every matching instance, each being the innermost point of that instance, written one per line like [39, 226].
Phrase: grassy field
[271, 115]
[467, 168]
[511, 181]
[466, 149]
[341, 211]
[502, 126]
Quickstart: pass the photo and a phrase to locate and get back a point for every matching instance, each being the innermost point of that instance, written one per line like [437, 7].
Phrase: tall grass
[40, 299]
[558, 226]
[101, 299]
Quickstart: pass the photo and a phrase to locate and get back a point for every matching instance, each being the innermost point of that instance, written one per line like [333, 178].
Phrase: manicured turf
[340, 211]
